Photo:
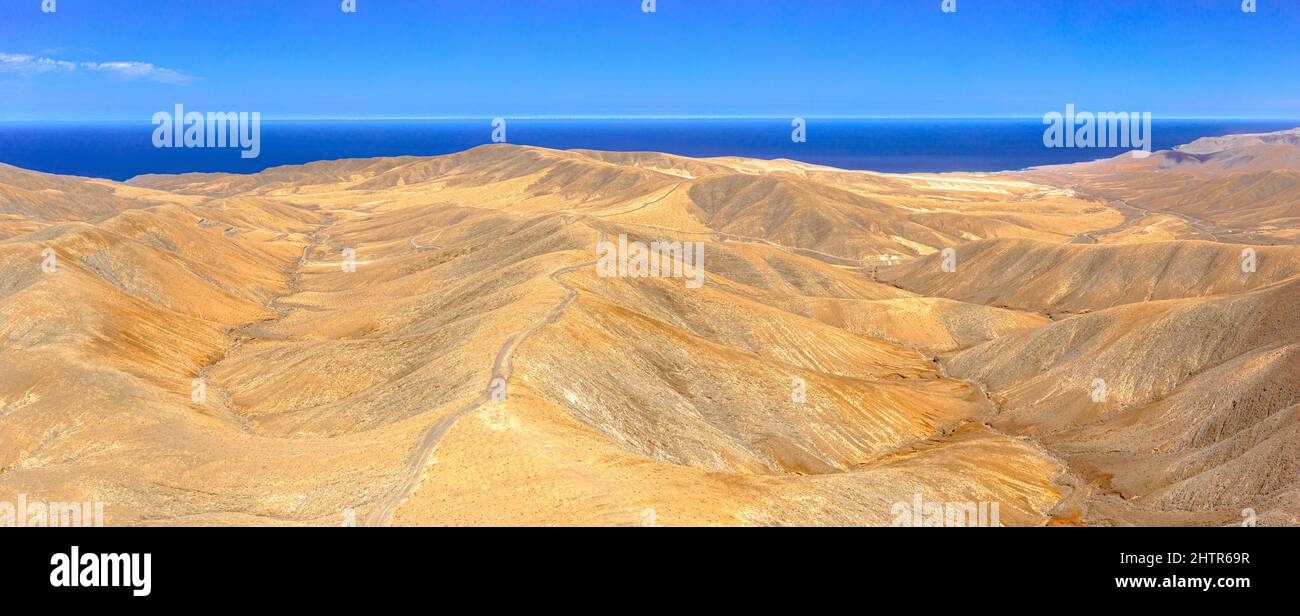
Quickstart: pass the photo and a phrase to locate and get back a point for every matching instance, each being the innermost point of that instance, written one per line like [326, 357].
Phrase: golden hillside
[432, 341]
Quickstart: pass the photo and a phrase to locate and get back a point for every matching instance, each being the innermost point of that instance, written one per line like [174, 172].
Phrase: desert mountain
[432, 341]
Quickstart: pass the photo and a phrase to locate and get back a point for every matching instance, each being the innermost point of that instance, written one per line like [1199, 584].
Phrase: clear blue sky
[119, 59]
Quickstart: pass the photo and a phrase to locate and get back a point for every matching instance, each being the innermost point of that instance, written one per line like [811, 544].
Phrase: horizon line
[638, 117]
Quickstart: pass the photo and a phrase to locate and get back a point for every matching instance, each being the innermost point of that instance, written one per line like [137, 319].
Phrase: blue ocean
[121, 150]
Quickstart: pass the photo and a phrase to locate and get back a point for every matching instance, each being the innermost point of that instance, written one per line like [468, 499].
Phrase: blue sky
[111, 59]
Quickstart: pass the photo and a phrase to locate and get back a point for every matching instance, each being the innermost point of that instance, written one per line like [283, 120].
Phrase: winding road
[1133, 213]
[502, 367]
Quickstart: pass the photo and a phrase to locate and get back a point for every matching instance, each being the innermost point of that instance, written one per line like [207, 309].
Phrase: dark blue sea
[122, 150]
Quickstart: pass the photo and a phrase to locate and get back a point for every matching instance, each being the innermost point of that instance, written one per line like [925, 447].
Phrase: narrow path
[1131, 214]
[502, 367]
[256, 330]
[795, 250]
[429, 246]
[1200, 225]
[639, 207]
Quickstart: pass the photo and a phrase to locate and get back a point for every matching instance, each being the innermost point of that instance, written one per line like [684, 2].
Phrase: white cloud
[24, 64]
[139, 70]
[29, 65]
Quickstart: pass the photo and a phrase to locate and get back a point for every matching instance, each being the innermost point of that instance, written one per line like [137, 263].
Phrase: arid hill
[433, 341]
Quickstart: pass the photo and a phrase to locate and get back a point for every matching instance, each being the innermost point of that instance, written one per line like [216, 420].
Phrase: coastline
[121, 151]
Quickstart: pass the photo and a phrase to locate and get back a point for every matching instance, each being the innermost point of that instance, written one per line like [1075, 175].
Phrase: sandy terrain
[419, 341]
